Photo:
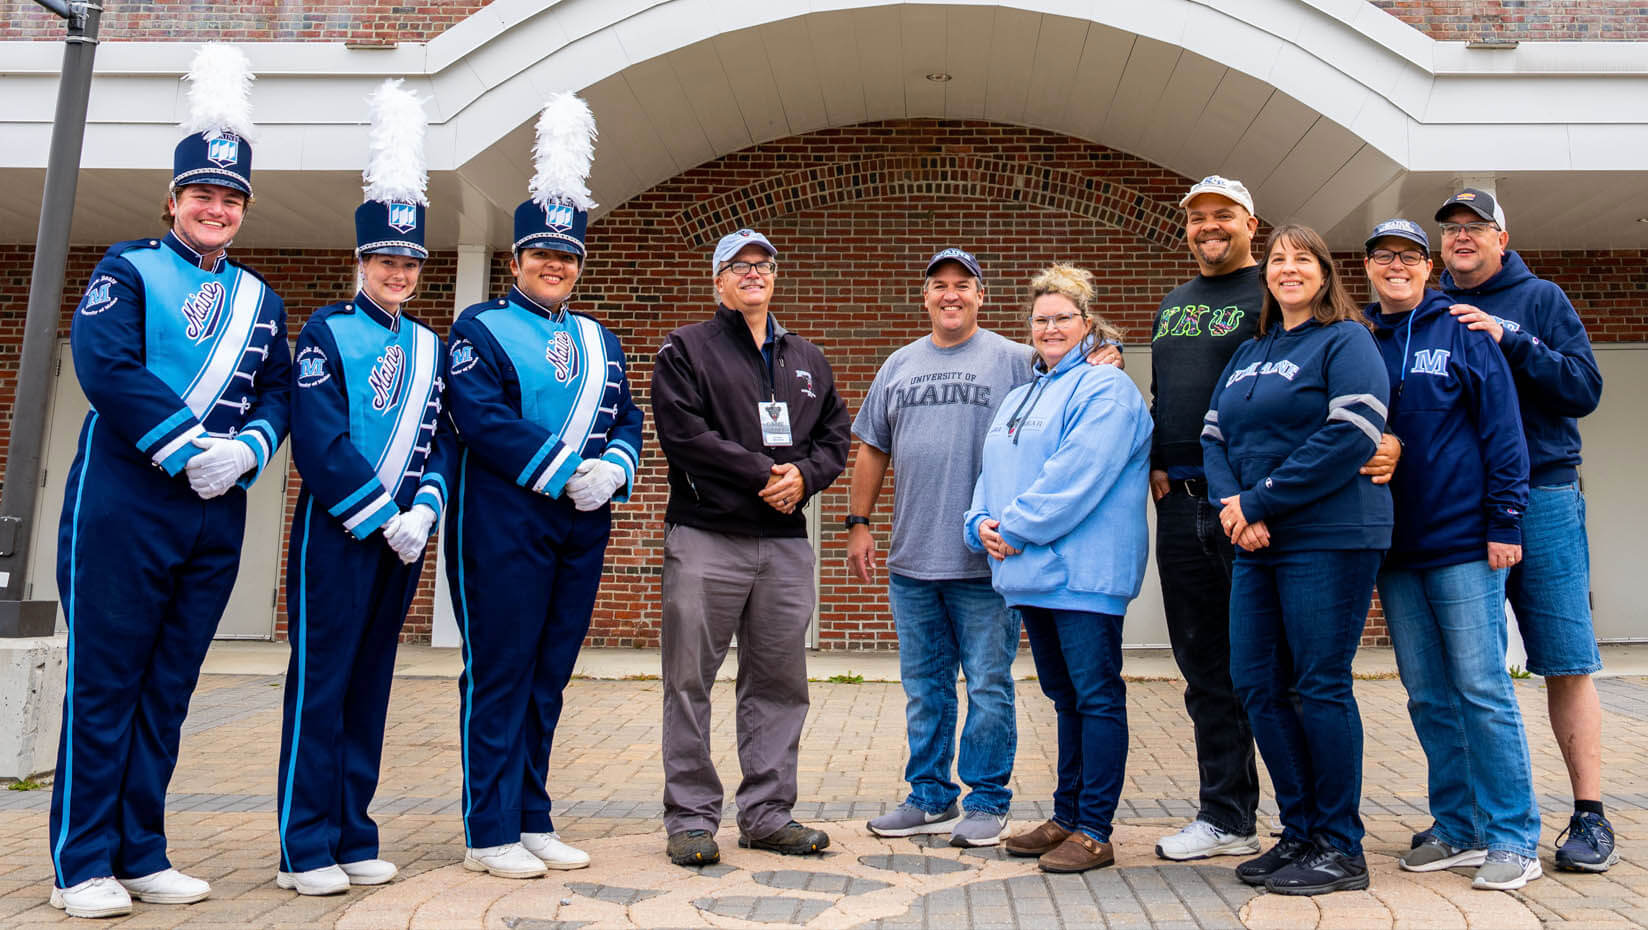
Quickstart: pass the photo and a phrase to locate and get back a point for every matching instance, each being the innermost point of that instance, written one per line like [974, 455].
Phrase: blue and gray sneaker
[1589, 846]
[1430, 854]
[910, 820]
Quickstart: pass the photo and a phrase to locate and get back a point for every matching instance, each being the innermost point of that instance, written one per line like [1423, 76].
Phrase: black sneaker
[1320, 870]
[792, 839]
[1590, 844]
[693, 847]
[1287, 849]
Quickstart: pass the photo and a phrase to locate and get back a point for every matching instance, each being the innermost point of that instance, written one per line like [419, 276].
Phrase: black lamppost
[19, 617]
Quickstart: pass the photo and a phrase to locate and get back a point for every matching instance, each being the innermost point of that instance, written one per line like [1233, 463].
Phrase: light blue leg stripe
[303, 661]
[68, 687]
[463, 613]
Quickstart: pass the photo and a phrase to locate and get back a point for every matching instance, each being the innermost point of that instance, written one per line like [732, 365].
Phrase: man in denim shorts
[1557, 382]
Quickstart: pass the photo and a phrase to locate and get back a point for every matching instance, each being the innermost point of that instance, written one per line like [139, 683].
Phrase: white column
[472, 286]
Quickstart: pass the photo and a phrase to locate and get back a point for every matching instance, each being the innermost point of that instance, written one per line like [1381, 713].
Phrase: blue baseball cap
[1400, 229]
[959, 256]
[734, 242]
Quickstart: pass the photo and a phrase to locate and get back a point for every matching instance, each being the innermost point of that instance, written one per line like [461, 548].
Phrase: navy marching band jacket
[366, 462]
[168, 352]
[536, 391]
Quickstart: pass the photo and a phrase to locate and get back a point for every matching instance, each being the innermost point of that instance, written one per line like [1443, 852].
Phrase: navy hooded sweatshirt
[1463, 478]
[1294, 417]
[1557, 379]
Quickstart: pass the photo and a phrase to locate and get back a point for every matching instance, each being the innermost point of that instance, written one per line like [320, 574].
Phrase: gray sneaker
[978, 828]
[1433, 855]
[1503, 870]
[909, 820]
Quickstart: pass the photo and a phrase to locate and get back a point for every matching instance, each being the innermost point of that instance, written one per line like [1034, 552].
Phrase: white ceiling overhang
[1335, 113]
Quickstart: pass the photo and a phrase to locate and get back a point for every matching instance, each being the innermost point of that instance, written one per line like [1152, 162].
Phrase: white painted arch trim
[1420, 102]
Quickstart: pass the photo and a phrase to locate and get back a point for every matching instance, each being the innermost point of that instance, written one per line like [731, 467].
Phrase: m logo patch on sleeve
[312, 368]
[463, 356]
[98, 297]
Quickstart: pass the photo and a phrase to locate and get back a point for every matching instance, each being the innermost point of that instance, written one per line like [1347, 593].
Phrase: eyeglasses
[1059, 322]
[1386, 256]
[1475, 229]
[743, 268]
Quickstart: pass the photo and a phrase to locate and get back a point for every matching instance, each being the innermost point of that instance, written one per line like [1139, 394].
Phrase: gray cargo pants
[715, 585]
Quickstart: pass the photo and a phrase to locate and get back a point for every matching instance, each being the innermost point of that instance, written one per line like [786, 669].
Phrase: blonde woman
[1060, 508]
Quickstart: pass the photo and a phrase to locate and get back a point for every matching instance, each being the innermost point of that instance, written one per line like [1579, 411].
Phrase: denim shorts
[1550, 590]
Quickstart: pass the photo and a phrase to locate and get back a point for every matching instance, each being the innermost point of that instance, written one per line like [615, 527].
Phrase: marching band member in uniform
[373, 448]
[549, 434]
[182, 354]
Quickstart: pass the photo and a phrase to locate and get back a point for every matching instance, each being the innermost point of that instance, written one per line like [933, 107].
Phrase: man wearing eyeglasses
[1557, 382]
[748, 417]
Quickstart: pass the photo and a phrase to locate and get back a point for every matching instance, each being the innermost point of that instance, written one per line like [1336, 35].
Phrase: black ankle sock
[1588, 807]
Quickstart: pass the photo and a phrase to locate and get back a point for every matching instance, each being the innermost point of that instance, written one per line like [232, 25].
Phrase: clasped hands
[1250, 536]
[785, 488]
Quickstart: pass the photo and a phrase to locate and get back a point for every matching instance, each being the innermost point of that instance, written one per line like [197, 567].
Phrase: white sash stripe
[586, 408]
[403, 440]
[165, 451]
[224, 362]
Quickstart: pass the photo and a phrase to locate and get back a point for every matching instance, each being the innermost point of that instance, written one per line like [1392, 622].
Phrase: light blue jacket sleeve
[1103, 427]
[975, 514]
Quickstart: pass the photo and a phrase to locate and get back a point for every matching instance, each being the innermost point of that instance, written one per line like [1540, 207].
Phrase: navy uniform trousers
[346, 601]
[145, 568]
[523, 569]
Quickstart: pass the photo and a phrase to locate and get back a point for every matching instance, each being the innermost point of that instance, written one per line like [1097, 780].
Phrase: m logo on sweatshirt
[1430, 362]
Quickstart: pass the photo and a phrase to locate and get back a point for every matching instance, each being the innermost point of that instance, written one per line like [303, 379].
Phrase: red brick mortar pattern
[854, 212]
[336, 21]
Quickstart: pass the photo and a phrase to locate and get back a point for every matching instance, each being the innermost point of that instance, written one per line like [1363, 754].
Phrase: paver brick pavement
[607, 780]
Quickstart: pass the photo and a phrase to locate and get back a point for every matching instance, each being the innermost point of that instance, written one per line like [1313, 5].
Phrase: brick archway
[935, 175]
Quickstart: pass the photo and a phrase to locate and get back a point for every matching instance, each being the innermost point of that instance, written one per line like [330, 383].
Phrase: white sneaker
[553, 853]
[369, 871]
[1200, 840]
[168, 886]
[328, 879]
[94, 897]
[510, 860]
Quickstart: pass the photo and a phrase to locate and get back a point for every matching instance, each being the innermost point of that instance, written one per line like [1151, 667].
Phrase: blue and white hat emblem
[403, 217]
[558, 215]
[224, 150]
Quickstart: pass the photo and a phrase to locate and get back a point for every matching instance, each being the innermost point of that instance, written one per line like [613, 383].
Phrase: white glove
[216, 470]
[592, 486]
[407, 533]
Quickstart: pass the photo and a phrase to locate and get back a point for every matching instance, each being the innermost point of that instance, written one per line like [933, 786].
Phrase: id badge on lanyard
[774, 416]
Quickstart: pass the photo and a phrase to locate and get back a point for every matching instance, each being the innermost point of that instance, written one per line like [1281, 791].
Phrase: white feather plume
[220, 92]
[562, 156]
[395, 169]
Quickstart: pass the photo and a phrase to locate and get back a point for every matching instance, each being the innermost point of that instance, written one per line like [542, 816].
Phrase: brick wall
[338, 21]
[854, 212]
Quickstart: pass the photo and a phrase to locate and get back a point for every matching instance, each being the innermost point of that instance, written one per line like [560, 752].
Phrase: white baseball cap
[1234, 191]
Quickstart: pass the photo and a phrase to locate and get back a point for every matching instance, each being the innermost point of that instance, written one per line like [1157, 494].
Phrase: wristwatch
[854, 520]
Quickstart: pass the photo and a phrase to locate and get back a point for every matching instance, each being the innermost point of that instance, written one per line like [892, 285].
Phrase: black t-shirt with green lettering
[1196, 329]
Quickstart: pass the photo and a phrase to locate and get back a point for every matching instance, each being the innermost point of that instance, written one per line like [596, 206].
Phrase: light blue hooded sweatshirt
[1066, 471]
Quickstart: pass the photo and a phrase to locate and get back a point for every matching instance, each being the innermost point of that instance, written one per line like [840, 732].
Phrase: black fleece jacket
[706, 382]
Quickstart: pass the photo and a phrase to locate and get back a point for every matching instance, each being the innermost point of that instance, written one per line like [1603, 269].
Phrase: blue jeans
[1448, 627]
[1295, 622]
[1550, 590]
[942, 625]
[1079, 663]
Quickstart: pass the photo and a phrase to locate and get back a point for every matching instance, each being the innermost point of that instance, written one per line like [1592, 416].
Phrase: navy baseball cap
[1399, 229]
[960, 256]
[732, 243]
[1481, 203]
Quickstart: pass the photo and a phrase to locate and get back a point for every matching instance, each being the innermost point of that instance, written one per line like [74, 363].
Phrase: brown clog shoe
[1078, 853]
[1040, 841]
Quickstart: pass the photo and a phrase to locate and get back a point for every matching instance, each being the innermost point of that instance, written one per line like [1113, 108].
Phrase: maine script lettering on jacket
[1281, 367]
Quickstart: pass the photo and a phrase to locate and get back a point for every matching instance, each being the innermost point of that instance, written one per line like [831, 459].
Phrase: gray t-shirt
[929, 408]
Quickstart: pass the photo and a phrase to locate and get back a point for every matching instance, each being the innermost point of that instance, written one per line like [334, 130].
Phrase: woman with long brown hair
[1296, 413]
